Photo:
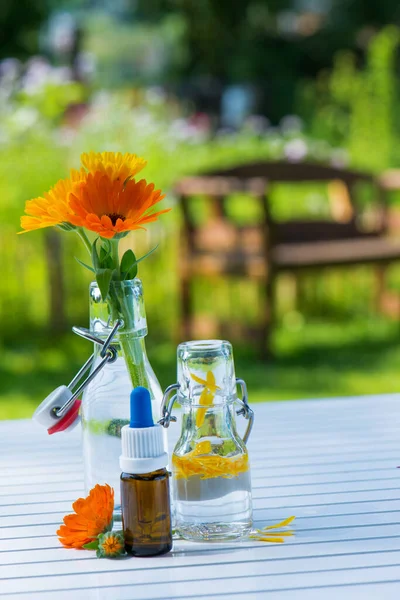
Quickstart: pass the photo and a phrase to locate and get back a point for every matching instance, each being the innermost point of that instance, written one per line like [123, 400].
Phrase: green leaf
[92, 545]
[115, 275]
[128, 265]
[84, 265]
[106, 261]
[95, 257]
[66, 227]
[147, 254]
[103, 254]
[103, 278]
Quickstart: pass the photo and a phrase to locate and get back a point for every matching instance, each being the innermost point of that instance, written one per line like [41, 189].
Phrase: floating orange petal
[210, 465]
[206, 396]
[277, 537]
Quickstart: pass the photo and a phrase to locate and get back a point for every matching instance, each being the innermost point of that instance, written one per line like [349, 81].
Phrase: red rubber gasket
[67, 420]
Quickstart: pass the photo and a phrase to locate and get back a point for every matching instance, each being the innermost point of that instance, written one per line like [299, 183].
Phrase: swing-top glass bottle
[210, 464]
[105, 402]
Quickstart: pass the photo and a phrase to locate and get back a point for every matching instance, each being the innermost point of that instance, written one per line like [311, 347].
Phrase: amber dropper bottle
[145, 497]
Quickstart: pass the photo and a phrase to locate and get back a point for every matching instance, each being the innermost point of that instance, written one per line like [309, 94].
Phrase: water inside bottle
[214, 508]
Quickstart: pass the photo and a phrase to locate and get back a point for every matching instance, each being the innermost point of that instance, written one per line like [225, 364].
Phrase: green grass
[312, 360]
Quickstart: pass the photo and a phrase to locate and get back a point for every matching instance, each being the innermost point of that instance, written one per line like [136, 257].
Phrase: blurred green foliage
[356, 107]
[313, 360]
[271, 44]
[144, 52]
[350, 114]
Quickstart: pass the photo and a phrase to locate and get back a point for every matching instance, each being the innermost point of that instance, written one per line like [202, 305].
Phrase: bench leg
[267, 322]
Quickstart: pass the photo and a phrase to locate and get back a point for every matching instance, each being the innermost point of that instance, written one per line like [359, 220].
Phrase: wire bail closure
[169, 400]
[246, 411]
[167, 405]
[108, 354]
[60, 410]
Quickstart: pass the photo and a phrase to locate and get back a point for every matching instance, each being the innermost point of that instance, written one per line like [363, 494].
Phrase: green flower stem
[120, 307]
[85, 240]
[133, 349]
[115, 254]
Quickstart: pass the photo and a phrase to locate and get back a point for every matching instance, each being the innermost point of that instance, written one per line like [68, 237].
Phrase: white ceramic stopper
[44, 413]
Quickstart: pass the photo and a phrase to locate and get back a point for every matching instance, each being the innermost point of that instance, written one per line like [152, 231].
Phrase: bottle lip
[203, 345]
[199, 359]
[127, 283]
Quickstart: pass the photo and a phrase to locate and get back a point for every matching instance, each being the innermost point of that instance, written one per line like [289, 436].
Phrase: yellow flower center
[111, 545]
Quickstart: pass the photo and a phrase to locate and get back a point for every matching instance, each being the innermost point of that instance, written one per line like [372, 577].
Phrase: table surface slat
[332, 463]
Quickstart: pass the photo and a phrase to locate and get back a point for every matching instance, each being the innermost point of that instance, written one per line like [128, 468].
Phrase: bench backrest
[254, 179]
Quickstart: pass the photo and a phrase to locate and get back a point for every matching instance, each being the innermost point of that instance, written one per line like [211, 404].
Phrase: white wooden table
[332, 463]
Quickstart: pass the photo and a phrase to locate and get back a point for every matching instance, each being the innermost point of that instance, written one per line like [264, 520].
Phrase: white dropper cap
[142, 441]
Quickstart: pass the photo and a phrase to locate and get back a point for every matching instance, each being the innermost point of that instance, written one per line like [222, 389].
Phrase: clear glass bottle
[211, 472]
[105, 402]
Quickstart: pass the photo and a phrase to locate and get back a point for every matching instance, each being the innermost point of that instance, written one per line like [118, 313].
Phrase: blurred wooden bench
[220, 247]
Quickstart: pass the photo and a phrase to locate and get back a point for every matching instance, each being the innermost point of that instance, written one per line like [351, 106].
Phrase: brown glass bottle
[146, 513]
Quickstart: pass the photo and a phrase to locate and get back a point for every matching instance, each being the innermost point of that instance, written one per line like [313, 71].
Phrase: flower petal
[93, 515]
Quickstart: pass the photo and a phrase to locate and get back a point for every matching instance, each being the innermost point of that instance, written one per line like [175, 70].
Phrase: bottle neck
[137, 346]
[126, 305]
[200, 421]
[132, 353]
[128, 298]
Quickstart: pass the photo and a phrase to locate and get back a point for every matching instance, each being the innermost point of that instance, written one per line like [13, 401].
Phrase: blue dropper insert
[141, 408]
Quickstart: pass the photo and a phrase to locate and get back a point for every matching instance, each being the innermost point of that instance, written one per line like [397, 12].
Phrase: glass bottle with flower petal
[210, 463]
[106, 198]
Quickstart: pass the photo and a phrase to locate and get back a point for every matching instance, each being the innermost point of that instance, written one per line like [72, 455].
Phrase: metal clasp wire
[168, 402]
[108, 354]
[167, 405]
[246, 411]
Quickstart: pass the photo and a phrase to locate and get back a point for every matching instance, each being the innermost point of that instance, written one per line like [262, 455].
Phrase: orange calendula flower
[113, 207]
[104, 198]
[93, 515]
[113, 164]
[206, 396]
[53, 207]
